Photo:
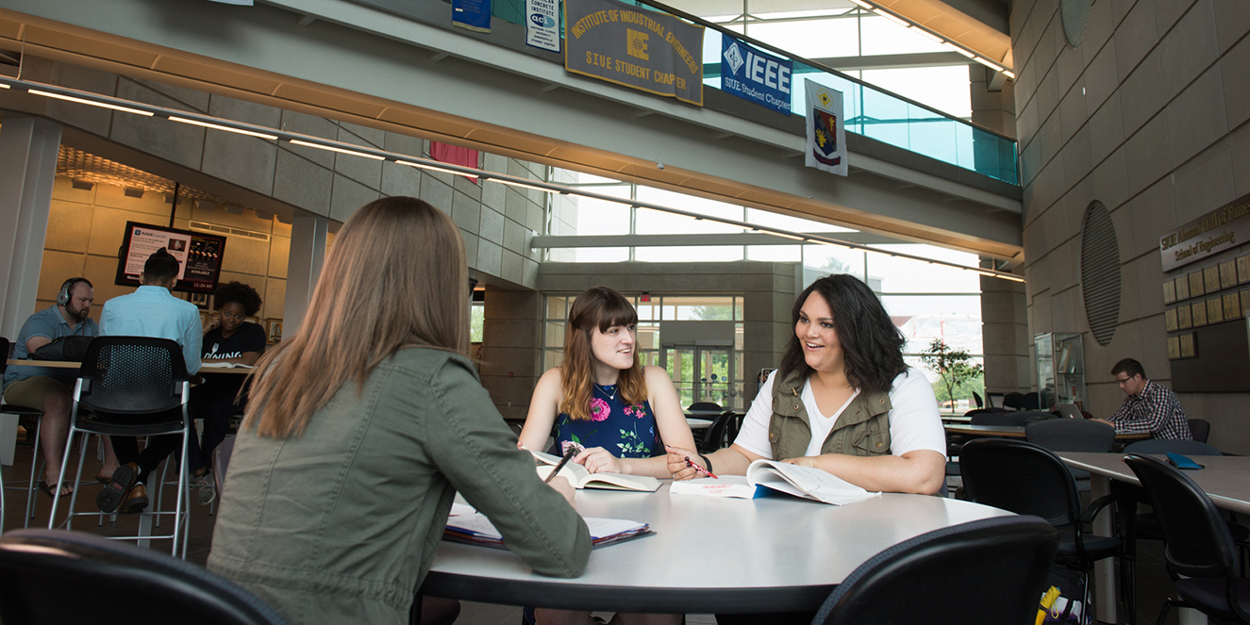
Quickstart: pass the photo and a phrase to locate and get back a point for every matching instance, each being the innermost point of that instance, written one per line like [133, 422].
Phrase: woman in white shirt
[843, 400]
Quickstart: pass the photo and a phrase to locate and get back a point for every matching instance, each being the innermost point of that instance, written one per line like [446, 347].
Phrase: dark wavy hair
[237, 293]
[872, 346]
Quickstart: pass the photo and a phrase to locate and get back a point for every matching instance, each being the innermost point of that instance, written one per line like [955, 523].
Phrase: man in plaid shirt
[1149, 407]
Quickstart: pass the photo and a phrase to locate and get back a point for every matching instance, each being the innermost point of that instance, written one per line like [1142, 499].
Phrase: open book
[805, 482]
[579, 477]
[735, 486]
[466, 525]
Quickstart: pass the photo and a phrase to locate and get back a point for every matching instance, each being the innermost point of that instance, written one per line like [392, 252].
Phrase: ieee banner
[826, 136]
[646, 50]
[755, 75]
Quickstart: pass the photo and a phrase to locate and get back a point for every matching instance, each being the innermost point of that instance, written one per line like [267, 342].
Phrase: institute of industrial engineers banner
[754, 75]
[646, 50]
[826, 138]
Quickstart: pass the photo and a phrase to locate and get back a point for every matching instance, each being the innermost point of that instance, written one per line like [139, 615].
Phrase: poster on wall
[199, 256]
[542, 24]
[644, 50]
[1221, 229]
[755, 75]
[826, 136]
[471, 15]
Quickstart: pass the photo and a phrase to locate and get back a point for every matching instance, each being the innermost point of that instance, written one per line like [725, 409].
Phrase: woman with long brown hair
[620, 413]
[361, 428]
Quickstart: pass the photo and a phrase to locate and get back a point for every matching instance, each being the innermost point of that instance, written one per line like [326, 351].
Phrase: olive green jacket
[340, 524]
[863, 429]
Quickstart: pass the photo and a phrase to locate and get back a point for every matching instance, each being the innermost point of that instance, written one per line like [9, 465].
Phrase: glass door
[702, 374]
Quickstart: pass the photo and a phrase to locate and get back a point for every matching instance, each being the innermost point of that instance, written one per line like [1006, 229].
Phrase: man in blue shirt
[43, 389]
[150, 311]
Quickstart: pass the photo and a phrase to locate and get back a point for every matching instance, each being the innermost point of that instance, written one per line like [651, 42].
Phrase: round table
[708, 554]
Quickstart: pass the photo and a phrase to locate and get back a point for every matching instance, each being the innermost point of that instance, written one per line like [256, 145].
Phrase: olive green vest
[863, 429]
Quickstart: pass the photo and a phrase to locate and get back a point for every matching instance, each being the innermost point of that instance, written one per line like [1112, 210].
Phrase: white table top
[1226, 479]
[708, 554]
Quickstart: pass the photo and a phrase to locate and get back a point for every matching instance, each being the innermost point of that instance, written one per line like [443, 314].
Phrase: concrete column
[28, 152]
[308, 254]
[510, 349]
[1005, 336]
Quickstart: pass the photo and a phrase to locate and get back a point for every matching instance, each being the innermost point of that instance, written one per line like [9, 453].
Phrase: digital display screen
[199, 255]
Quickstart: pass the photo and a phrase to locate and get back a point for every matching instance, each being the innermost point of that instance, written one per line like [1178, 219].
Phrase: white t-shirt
[914, 420]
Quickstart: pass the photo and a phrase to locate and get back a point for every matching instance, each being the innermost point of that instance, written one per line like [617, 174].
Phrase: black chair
[31, 419]
[1015, 401]
[996, 568]
[1200, 429]
[132, 386]
[38, 568]
[704, 406]
[1198, 545]
[976, 397]
[1031, 401]
[1072, 435]
[1025, 478]
[716, 435]
[1146, 526]
[999, 418]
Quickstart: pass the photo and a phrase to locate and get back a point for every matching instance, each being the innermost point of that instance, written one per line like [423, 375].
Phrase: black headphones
[62, 297]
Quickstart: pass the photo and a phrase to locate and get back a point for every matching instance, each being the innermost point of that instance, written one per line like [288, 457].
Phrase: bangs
[617, 311]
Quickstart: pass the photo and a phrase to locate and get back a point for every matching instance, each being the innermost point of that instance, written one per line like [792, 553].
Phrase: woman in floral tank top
[620, 413]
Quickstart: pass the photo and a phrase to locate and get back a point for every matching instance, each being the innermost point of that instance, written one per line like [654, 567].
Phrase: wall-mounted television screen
[199, 255]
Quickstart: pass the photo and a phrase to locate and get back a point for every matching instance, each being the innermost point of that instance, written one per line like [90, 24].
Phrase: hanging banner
[542, 24]
[754, 75]
[645, 50]
[471, 14]
[826, 137]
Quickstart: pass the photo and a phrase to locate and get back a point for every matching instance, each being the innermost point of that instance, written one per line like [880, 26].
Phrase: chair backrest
[4, 351]
[705, 406]
[38, 568]
[129, 375]
[1200, 429]
[998, 418]
[976, 397]
[1071, 435]
[1198, 543]
[995, 568]
[221, 462]
[1163, 446]
[1031, 401]
[990, 410]
[1013, 400]
[1019, 477]
[714, 435]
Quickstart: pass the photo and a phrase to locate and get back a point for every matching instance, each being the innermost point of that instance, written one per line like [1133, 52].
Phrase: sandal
[66, 489]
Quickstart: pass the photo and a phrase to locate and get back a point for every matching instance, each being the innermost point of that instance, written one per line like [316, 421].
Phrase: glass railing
[869, 111]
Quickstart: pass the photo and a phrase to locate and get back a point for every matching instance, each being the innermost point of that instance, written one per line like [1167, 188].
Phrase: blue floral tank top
[626, 431]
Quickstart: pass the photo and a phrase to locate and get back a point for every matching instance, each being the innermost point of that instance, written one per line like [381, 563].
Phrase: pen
[700, 469]
[568, 455]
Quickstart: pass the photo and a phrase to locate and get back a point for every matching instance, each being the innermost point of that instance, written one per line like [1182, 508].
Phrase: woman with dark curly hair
[228, 338]
[843, 400]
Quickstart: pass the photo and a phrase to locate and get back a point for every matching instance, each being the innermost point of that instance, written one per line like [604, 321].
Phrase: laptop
[1069, 411]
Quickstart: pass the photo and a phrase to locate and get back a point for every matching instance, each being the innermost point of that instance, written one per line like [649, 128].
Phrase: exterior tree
[954, 366]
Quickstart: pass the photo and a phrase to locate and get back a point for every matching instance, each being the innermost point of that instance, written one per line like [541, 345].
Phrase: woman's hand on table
[600, 460]
[677, 466]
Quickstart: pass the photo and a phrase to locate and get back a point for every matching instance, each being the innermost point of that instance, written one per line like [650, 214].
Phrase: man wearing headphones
[34, 388]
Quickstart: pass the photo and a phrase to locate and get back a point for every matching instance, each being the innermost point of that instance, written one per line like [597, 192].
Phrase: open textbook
[579, 477]
[768, 474]
[466, 525]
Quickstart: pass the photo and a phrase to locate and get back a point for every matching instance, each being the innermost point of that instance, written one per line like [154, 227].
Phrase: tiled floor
[1152, 587]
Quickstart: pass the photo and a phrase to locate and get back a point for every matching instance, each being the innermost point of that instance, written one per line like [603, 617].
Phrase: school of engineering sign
[629, 46]
[1221, 229]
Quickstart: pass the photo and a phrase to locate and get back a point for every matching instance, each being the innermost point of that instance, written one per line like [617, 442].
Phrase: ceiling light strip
[335, 146]
[241, 131]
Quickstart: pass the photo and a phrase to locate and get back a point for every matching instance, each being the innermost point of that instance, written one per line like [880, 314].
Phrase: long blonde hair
[597, 307]
[395, 277]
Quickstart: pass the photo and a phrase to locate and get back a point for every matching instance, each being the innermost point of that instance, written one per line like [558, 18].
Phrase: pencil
[568, 455]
